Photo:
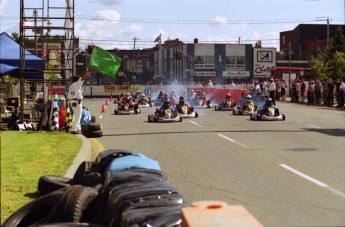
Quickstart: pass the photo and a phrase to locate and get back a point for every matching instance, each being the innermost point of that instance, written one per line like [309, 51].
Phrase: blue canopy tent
[8, 70]
[10, 57]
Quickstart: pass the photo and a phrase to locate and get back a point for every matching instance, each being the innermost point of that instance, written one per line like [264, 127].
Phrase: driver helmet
[203, 94]
[166, 102]
[143, 95]
[269, 102]
[181, 100]
[248, 98]
[228, 95]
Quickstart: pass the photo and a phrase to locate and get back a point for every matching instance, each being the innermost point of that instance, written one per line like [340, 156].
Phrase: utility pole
[327, 21]
[289, 66]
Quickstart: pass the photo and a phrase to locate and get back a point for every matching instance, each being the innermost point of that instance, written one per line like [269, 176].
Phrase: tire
[283, 117]
[91, 180]
[91, 127]
[148, 119]
[93, 134]
[196, 115]
[48, 184]
[116, 112]
[69, 224]
[180, 119]
[83, 169]
[41, 210]
[74, 201]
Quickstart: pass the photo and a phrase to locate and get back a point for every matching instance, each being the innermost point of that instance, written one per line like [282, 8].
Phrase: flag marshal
[104, 62]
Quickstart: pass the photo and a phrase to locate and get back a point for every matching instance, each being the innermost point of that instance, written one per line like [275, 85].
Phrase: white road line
[304, 176]
[232, 140]
[314, 126]
[315, 181]
[193, 122]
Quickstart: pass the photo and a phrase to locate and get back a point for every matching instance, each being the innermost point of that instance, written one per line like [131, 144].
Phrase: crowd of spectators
[311, 92]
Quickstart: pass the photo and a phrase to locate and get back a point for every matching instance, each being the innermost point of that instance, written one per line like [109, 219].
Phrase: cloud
[3, 4]
[104, 30]
[106, 2]
[219, 21]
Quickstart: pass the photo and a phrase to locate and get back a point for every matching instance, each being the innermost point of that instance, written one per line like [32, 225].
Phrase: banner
[117, 88]
[104, 62]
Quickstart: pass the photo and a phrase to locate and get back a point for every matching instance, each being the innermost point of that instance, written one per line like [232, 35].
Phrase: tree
[331, 62]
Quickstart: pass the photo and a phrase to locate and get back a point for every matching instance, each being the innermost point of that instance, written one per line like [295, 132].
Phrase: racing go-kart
[144, 102]
[127, 109]
[228, 105]
[247, 109]
[187, 112]
[271, 115]
[165, 116]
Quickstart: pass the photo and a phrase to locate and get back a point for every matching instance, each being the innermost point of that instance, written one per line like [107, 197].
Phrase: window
[235, 62]
[204, 62]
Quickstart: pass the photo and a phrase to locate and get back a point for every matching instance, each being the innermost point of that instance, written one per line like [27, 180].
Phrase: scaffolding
[47, 30]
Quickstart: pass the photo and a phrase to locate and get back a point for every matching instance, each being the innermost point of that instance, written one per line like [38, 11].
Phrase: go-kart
[144, 103]
[272, 115]
[167, 115]
[199, 103]
[251, 108]
[187, 112]
[225, 106]
[126, 109]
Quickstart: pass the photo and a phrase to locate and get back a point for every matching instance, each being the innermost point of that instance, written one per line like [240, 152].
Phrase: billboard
[264, 62]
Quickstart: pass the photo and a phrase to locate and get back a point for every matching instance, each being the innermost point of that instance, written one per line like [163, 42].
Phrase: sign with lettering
[264, 62]
[115, 88]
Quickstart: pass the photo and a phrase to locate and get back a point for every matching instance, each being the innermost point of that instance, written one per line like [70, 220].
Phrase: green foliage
[331, 62]
[26, 156]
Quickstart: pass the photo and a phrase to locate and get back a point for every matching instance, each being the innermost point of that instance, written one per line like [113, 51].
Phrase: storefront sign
[236, 74]
[264, 62]
[116, 88]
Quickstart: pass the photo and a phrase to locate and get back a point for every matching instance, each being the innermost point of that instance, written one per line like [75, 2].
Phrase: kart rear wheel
[283, 117]
[180, 119]
[116, 112]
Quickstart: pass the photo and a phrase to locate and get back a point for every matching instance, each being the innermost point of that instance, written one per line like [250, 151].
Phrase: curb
[83, 155]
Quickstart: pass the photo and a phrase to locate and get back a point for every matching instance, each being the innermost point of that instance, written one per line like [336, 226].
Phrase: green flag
[104, 62]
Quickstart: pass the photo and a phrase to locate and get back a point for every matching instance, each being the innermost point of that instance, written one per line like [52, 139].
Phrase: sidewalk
[288, 99]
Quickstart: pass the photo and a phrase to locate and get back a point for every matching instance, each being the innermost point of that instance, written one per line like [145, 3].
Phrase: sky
[117, 23]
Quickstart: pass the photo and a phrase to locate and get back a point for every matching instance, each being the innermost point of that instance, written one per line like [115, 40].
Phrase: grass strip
[25, 157]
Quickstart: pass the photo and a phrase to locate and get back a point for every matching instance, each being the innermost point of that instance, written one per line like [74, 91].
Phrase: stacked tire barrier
[92, 130]
[119, 188]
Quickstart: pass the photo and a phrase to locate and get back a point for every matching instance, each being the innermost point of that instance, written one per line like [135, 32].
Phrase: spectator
[272, 91]
[341, 93]
[257, 89]
[310, 93]
[318, 90]
[293, 91]
[279, 90]
[264, 88]
[232, 84]
[210, 84]
[330, 93]
[337, 86]
[303, 88]
[283, 89]
[298, 90]
[325, 92]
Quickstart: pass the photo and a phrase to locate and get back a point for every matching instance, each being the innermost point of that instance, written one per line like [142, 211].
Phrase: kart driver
[228, 100]
[268, 104]
[166, 105]
[180, 104]
[248, 102]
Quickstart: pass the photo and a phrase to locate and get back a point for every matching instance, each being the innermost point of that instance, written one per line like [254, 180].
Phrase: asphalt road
[286, 173]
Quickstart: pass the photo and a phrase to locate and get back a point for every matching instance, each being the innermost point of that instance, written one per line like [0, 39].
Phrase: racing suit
[265, 110]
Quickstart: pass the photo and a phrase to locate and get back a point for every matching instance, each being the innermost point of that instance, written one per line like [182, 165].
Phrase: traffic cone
[106, 102]
[103, 108]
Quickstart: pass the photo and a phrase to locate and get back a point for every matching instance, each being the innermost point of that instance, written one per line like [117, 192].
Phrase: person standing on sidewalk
[330, 93]
[310, 93]
[272, 91]
[341, 93]
[318, 92]
[75, 95]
